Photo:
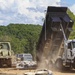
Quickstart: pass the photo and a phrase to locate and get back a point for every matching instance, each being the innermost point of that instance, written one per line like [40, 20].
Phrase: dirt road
[9, 71]
[64, 72]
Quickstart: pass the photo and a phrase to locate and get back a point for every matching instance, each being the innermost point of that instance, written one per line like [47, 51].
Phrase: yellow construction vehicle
[6, 55]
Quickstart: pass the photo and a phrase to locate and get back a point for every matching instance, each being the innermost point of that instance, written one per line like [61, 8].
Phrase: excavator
[53, 44]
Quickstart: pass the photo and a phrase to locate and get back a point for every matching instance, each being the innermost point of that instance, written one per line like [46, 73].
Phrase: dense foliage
[72, 35]
[23, 37]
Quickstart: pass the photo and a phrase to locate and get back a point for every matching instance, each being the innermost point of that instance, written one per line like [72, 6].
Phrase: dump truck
[6, 55]
[53, 44]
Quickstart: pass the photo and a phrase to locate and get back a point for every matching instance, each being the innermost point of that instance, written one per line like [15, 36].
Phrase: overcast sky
[28, 11]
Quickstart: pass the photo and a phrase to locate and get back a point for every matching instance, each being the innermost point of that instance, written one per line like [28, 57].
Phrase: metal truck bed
[50, 43]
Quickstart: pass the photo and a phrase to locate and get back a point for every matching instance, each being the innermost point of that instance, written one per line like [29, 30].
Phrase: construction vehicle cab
[68, 56]
[71, 44]
[71, 48]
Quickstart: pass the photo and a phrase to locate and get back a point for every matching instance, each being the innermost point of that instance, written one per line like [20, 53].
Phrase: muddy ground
[10, 71]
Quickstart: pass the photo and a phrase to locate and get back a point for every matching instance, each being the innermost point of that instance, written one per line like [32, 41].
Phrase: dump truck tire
[59, 64]
[73, 64]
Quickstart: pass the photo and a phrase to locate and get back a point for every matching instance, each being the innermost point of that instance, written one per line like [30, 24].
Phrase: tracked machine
[53, 43]
[7, 56]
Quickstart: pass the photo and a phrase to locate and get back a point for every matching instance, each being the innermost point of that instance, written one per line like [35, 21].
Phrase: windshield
[4, 46]
[73, 44]
[28, 57]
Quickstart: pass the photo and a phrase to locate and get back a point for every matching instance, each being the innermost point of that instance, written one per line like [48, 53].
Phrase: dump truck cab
[71, 48]
[71, 44]
[69, 53]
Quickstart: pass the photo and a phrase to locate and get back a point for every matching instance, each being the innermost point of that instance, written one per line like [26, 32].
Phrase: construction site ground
[12, 71]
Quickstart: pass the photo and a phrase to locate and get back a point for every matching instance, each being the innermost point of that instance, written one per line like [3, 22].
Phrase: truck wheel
[73, 65]
[59, 64]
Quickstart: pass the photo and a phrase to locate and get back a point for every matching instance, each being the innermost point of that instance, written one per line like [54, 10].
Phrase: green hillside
[23, 37]
[72, 35]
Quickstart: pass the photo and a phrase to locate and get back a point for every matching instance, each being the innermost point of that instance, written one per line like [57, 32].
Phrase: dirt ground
[64, 72]
[11, 71]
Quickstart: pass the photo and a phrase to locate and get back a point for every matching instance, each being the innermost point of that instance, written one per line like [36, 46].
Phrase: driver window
[1, 46]
[69, 46]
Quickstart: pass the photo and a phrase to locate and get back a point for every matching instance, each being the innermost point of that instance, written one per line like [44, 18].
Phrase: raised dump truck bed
[50, 43]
